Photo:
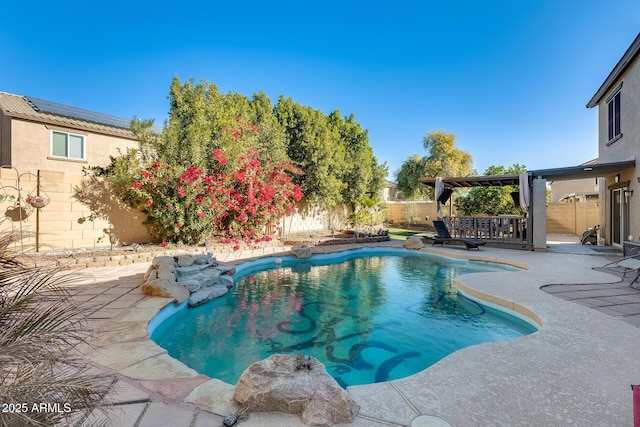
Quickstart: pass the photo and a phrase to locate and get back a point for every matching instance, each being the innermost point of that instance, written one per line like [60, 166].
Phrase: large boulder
[161, 260]
[226, 280]
[189, 270]
[282, 384]
[206, 294]
[206, 278]
[301, 251]
[225, 268]
[167, 289]
[413, 243]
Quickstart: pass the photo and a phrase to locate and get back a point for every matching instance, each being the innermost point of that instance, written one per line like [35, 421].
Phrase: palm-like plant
[44, 381]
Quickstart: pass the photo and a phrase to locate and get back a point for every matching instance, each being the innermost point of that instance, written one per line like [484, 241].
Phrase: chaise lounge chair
[444, 237]
[627, 265]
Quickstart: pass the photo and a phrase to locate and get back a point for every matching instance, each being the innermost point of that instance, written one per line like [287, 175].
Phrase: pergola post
[539, 214]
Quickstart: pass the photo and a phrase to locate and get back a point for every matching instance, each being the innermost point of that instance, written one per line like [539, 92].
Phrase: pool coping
[495, 397]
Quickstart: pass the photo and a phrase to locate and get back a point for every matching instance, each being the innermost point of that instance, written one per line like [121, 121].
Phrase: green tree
[193, 128]
[315, 147]
[272, 139]
[363, 176]
[407, 178]
[443, 159]
[491, 200]
[379, 172]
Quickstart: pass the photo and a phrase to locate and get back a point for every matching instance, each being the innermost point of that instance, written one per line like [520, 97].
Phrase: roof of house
[625, 62]
[43, 111]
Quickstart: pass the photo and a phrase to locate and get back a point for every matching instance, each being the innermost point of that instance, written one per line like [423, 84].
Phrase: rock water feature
[193, 278]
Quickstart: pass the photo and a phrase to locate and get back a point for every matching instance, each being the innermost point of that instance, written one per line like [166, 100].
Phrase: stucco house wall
[624, 77]
[30, 147]
[570, 190]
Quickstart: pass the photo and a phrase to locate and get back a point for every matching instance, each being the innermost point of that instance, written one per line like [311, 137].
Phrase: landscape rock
[190, 270]
[276, 385]
[226, 280]
[167, 289]
[152, 275]
[185, 260]
[226, 268]
[206, 294]
[191, 285]
[149, 271]
[204, 259]
[164, 261]
[206, 278]
[165, 273]
[413, 243]
[198, 276]
[301, 251]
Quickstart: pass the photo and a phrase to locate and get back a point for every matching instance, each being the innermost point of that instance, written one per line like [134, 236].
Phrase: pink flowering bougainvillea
[233, 202]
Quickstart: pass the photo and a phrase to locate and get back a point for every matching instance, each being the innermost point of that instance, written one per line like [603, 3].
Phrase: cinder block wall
[424, 209]
[65, 223]
[571, 218]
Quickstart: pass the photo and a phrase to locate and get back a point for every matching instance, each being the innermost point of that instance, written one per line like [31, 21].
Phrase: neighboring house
[390, 191]
[576, 190]
[43, 148]
[618, 102]
[36, 134]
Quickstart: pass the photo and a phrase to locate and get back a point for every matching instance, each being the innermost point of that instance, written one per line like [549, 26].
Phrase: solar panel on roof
[44, 106]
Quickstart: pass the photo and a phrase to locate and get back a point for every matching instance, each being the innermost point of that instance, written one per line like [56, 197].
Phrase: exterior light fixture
[617, 178]
[628, 193]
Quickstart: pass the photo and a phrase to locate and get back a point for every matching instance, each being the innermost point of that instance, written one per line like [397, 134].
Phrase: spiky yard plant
[44, 381]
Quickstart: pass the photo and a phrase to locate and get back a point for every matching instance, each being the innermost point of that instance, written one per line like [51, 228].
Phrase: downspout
[38, 212]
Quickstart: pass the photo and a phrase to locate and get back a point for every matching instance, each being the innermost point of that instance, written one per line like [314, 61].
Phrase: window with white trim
[67, 145]
[613, 108]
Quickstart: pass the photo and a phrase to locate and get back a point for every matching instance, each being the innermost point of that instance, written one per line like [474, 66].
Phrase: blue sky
[509, 78]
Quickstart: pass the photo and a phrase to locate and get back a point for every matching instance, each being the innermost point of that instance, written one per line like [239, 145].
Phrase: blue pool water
[368, 316]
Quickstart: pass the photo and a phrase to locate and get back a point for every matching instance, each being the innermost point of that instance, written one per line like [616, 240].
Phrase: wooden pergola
[501, 230]
[528, 232]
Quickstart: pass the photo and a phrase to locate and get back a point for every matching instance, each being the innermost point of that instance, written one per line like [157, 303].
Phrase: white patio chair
[627, 265]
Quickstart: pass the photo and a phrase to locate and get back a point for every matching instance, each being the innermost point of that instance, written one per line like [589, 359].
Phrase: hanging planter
[37, 201]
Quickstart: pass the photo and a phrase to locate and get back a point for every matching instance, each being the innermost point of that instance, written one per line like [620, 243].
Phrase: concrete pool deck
[576, 370]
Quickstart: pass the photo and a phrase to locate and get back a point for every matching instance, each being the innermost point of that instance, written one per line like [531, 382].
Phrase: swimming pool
[369, 315]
